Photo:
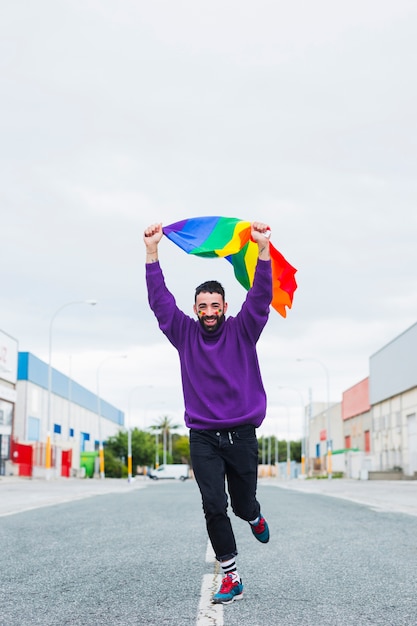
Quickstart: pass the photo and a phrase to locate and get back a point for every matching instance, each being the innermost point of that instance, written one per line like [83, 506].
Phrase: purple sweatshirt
[221, 380]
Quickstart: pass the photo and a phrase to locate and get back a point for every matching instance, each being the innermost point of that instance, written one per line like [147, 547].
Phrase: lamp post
[48, 435]
[304, 439]
[100, 443]
[328, 433]
[156, 448]
[288, 444]
[154, 428]
[287, 410]
[69, 397]
[129, 431]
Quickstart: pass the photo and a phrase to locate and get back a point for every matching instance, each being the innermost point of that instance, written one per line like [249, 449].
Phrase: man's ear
[195, 309]
[225, 308]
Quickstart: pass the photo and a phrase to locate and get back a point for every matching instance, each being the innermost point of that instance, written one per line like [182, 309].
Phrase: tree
[143, 450]
[181, 449]
[114, 467]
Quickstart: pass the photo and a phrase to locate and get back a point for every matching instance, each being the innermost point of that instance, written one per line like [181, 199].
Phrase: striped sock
[229, 567]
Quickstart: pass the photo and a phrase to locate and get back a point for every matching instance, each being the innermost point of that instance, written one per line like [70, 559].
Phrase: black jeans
[220, 454]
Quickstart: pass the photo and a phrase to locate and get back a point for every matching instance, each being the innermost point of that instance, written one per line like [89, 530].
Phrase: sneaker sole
[239, 597]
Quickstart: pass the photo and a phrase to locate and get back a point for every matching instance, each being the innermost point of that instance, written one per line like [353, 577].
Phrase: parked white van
[175, 470]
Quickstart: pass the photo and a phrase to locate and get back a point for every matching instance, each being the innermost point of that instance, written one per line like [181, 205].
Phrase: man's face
[210, 309]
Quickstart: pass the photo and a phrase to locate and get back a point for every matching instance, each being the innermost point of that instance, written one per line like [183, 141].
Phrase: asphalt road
[111, 553]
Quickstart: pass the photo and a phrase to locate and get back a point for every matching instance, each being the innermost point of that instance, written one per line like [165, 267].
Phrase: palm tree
[165, 426]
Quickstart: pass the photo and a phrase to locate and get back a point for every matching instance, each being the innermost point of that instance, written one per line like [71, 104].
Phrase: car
[179, 471]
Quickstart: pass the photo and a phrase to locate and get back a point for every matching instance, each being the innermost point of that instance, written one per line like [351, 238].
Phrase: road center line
[210, 614]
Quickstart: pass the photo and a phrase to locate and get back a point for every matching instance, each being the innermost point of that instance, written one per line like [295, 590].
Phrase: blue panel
[57, 429]
[83, 438]
[30, 368]
[22, 366]
[34, 370]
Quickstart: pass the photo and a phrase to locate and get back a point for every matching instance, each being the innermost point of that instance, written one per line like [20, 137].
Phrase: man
[224, 396]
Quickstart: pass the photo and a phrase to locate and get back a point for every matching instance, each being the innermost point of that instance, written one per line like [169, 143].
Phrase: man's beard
[210, 329]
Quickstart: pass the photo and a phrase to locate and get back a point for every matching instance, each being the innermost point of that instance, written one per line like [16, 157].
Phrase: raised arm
[152, 236]
[260, 234]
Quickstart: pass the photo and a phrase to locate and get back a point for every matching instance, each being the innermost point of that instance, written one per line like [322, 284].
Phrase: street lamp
[287, 412]
[156, 429]
[129, 431]
[329, 440]
[303, 445]
[48, 436]
[100, 444]
[288, 444]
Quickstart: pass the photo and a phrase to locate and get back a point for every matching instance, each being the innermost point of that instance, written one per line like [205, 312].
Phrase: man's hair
[210, 286]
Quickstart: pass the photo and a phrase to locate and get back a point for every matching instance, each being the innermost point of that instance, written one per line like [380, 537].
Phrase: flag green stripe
[221, 234]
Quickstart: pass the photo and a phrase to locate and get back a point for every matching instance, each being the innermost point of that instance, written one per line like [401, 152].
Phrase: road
[110, 553]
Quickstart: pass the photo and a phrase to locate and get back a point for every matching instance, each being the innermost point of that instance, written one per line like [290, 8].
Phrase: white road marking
[210, 614]
[210, 556]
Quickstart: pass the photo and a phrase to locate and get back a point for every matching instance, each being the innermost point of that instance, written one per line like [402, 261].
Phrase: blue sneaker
[231, 589]
[260, 530]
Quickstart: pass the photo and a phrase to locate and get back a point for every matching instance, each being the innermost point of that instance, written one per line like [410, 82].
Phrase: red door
[66, 463]
[22, 455]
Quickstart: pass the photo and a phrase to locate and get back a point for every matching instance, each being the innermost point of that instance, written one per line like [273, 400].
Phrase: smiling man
[224, 396]
[209, 305]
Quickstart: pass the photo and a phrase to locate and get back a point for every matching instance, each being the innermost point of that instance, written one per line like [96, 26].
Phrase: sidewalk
[23, 494]
[393, 496]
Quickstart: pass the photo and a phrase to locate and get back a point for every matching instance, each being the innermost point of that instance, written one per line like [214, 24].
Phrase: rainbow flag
[230, 238]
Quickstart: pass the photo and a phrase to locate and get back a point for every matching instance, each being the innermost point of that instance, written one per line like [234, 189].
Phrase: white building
[374, 429]
[393, 398]
[78, 419]
[8, 374]
[324, 431]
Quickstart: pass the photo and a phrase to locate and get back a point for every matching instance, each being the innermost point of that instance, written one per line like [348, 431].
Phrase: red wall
[356, 400]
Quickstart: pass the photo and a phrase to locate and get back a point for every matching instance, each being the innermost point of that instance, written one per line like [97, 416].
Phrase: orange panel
[356, 400]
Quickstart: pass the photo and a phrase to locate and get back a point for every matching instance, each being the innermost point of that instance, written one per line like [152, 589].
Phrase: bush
[113, 467]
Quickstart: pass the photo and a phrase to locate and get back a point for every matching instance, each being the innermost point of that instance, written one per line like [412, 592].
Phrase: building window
[6, 412]
[57, 429]
[34, 425]
[83, 438]
[71, 432]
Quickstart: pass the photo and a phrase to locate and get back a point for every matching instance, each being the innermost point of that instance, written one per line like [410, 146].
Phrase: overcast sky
[115, 115]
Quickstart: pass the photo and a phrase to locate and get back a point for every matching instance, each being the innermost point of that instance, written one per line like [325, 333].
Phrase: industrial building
[373, 429]
[77, 420]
